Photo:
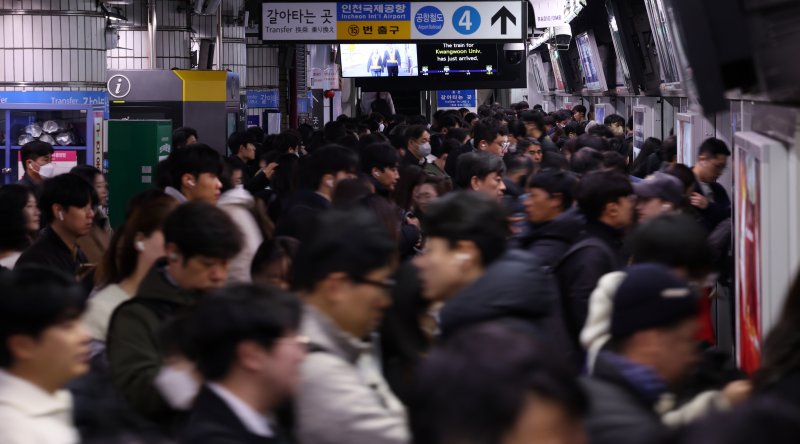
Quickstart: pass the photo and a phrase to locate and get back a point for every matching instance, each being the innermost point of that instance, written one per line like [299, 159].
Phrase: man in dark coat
[604, 198]
[466, 266]
[555, 225]
[242, 340]
[708, 196]
[652, 328]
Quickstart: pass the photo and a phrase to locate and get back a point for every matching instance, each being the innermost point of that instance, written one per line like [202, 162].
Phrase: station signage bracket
[394, 21]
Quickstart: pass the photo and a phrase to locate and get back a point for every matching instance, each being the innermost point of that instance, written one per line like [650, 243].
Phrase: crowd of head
[506, 276]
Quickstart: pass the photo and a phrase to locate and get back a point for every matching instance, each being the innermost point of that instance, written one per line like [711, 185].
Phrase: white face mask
[425, 149]
[177, 386]
[48, 170]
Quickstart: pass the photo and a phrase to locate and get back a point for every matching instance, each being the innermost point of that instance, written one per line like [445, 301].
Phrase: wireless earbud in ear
[61, 215]
[172, 256]
[463, 257]
[191, 183]
[329, 183]
[376, 174]
[139, 245]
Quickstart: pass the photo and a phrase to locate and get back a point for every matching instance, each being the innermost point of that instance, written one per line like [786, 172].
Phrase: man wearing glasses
[342, 271]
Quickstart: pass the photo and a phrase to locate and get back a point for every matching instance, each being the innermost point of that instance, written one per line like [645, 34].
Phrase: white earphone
[463, 257]
[191, 183]
[376, 174]
[139, 245]
[329, 183]
[61, 215]
[172, 256]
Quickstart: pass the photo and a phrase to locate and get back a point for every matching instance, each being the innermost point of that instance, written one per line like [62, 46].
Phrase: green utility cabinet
[134, 150]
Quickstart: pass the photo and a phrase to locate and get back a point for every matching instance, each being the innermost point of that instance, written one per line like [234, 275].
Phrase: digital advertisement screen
[589, 64]
[457, 59]
[379, 60]
[555, 60]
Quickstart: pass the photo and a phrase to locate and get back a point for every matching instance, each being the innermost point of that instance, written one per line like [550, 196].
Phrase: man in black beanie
[653, 328]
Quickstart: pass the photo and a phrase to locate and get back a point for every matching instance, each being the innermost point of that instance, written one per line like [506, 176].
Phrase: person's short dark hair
[477, 164]
[459, 134]
[193, 159]
[675, 240]
[592, 141]
[470, 117]
[380, 156]
[256, 134]
[273, 250]
[87, 172]
[713, 147]
[418, 120]
[553, 181]
[34, 150]
[371, 139]
[13, 232]
[615, 161]
[463, 215]
[239, 139]
[35, 298]
[524, 143]
[573, 128]
[233, 315]
[415, 132]
[614, 118]
[601, 131]
[449, 121]
[538, 107]
[397, 136]
[474, 388]
[517, 129]
[201, 229]
[487, 130]
[669, 149]
[586, 160]
[334, 131]
[534, 118]
[350, 241]
[67, 190]
[285, 141]
[579, 109]
[564, 114]
[599, 188]
[518, 162]
[552, 159]
[329, 159]
[181, 136]
[683, 173]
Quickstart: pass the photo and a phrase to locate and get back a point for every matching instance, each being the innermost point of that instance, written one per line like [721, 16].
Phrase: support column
[172, 37]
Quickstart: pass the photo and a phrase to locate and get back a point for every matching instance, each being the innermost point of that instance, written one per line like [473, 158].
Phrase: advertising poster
[748, 273]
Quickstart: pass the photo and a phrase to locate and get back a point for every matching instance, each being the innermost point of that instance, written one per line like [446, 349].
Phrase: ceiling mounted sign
[549, 13]
[498, 21]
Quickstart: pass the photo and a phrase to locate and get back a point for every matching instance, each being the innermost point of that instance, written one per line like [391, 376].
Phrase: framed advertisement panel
[762, 239]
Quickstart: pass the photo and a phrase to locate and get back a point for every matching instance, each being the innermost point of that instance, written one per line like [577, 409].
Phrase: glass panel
[665, 45]
[59, 128]
[623, 72]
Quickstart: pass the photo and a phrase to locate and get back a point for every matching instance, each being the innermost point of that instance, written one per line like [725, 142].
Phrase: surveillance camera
[514, 52]
[561, 37]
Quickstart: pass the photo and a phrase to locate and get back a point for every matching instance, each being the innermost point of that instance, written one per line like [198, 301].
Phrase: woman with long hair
[134, 249]
[19, 223]
[96, 243]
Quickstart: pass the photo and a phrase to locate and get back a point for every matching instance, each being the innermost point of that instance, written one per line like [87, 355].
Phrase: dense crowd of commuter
[507, 276]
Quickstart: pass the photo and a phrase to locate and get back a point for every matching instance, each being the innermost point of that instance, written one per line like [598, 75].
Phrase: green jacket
[133, 344]
[432, 169]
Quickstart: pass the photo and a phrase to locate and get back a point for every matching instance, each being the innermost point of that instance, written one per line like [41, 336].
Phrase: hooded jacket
[514, 290]
[133, 346]
[550, 241]
[239, 204]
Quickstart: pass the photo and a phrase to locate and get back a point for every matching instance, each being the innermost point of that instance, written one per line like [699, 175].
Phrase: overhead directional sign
[394, 21]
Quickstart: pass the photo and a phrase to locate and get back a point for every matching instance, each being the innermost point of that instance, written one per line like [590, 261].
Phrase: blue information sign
[466, 20]
[263, 99]
[456, 98]
[79, 98]
[429, 20]
[252, 121]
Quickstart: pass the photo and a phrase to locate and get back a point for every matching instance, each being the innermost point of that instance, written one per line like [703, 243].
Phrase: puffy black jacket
[550, 241]
[618, 413]
[514, 290]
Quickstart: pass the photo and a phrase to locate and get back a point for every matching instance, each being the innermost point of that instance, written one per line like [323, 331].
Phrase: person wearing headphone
[155, 381]
[67, 213]
[466, 265]
[194, 174]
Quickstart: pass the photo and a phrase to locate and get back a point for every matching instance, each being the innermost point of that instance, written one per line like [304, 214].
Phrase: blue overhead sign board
[74, 98]
[456, 98]
[263, 99]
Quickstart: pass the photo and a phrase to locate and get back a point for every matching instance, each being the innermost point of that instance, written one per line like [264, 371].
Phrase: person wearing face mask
[67, 212]
[200, 239]
[37, 157]
[418, 146]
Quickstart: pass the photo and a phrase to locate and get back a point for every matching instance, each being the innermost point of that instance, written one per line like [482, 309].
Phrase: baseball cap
[651, 296]
[663, 186]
